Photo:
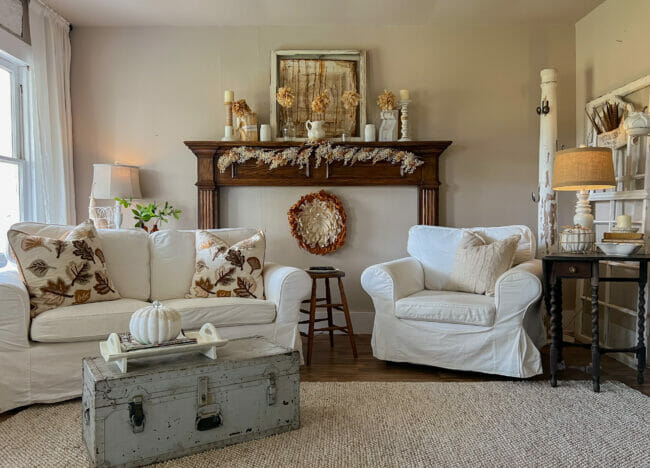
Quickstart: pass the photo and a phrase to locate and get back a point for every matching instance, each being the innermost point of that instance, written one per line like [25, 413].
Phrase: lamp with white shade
[112, 181]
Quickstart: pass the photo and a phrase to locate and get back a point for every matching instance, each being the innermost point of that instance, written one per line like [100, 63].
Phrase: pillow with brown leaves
[62, 272]
[224, 270]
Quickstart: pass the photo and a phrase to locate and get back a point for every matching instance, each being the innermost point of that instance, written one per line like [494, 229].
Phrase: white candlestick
[229, 96]
[404, 95]
[405, 119]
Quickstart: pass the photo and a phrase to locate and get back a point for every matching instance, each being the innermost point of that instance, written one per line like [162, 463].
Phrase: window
[11, 154]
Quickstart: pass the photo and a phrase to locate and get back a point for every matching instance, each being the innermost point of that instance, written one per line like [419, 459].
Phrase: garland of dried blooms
[300, 156]
[318, 222]
[285, 97]
[386, 100]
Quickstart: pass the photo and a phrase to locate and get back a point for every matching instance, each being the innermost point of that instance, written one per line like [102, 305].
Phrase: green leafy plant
[145, 213]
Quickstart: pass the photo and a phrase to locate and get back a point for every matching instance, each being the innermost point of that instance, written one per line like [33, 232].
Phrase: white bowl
[619, 249]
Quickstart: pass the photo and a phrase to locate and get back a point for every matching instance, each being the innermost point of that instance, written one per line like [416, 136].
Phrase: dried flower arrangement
[321, 102]
[300, 156]
[285, 96]
[317, 221]
[350, 99]
[240, 108]
[386, 100]
[608, 117]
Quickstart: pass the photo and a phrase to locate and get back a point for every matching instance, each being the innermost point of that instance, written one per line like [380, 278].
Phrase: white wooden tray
[207, 342]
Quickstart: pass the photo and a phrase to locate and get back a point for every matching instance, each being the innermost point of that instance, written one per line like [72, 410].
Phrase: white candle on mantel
[404, 94]
[229, 96]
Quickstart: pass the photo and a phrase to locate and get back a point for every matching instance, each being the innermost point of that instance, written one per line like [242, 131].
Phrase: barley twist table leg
[641, 348]
[595, 336]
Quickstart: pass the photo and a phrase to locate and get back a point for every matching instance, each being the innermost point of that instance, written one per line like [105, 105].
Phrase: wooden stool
[314, 304]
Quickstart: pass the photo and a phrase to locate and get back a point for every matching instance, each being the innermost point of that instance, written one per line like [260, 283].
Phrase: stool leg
[330, 321]
[348, 321]
[312, 317]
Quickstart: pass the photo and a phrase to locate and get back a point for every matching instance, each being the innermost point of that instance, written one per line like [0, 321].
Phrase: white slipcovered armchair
[417, 321]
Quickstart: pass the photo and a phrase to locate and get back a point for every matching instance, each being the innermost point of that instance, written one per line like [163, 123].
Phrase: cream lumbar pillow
[224, 270]
[62, 272]
[478, 265]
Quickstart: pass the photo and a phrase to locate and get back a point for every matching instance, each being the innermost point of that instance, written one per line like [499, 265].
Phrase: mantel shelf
[336, 173]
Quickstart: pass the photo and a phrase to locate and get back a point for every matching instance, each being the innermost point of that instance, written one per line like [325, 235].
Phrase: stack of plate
[622, 241]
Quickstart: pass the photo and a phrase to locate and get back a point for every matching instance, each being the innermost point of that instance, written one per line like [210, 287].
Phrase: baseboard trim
[362, 321]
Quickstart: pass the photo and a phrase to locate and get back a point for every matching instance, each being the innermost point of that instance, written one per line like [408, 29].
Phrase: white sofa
[40, 358]
[418, 322]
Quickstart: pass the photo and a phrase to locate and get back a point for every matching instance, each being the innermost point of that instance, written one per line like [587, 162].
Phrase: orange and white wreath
[317, 221]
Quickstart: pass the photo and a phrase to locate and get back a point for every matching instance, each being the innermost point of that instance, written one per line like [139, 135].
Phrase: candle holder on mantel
[228, 129]
[404, 104]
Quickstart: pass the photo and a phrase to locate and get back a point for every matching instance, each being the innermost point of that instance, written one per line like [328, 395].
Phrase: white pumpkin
[155, 324]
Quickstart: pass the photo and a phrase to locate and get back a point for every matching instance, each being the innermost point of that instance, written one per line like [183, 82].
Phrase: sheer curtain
[48, 134]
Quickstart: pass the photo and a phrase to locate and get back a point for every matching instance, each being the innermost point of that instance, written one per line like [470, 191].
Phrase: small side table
[586, 266]
[316, 302]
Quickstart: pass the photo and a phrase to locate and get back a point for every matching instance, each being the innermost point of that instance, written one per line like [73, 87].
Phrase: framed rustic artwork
[311, 72]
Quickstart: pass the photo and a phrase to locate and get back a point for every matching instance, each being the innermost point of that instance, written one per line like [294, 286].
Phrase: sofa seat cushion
[222, 311]
[84, 322]
[447, 307]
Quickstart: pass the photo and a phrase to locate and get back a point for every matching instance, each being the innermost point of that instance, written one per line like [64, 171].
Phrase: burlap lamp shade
[583, 169]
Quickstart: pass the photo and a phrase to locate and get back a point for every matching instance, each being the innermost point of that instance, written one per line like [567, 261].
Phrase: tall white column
[547, 206]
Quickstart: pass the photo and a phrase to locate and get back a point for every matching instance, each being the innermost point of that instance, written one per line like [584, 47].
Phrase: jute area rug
[399, 425]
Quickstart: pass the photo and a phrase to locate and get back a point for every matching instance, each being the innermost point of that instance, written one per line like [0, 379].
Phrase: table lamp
[582, 169]
[116, 180]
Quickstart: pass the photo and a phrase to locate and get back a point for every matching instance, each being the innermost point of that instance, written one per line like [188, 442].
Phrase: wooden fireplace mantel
[209, 178]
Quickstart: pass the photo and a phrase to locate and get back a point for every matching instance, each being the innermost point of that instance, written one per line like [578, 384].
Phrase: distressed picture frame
[308, 73]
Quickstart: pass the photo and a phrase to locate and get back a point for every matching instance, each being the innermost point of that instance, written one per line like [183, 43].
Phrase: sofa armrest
[393, 280]
[286, 287]
[517, 289]
[14, 311]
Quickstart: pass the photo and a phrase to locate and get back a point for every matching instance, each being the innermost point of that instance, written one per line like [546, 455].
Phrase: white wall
[137, 93]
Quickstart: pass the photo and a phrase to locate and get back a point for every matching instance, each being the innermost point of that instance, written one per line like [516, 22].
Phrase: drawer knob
[572, 269]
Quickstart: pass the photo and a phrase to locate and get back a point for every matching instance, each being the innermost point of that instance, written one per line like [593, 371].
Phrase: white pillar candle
[404, 94]
[229, 96]
[624, 221]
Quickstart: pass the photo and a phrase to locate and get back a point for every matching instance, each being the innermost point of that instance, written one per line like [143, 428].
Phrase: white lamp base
[117, 215]
[583, 215]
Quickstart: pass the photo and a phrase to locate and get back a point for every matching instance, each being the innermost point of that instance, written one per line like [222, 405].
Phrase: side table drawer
[573, 269]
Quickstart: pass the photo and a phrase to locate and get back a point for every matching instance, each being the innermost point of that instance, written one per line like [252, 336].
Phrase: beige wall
[137, 93]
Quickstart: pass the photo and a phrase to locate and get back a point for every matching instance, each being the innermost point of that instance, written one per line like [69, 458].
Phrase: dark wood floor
[338, 364]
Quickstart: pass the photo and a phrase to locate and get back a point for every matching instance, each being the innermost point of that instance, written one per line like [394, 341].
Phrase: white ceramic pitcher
[315, 130]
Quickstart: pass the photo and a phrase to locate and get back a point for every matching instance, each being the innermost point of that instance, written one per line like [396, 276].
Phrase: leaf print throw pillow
[62, 272]
[224, 270]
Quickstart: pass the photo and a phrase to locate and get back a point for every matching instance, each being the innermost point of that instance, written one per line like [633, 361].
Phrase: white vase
[389, 125]
[315, 130]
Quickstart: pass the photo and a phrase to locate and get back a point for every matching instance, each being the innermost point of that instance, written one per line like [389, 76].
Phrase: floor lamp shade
[116, 180]
[582, 169]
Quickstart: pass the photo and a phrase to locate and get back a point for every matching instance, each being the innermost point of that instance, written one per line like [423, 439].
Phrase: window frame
[18, 75]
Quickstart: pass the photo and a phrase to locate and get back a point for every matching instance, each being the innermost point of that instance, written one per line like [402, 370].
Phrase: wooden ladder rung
[315, 320]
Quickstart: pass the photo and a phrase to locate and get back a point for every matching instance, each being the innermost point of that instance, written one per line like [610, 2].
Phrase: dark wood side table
[565, 265]
[316, 302]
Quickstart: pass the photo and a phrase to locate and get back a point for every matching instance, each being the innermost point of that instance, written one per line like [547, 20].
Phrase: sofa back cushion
[173, 259]
[126, 252]
[435, 248]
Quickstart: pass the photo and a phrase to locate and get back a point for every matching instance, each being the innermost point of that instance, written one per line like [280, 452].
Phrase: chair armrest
[286, 287]
[517, 289]
[393, 280]
[14, 311]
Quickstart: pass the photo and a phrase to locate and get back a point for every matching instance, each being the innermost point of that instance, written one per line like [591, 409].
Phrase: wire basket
[577, 239]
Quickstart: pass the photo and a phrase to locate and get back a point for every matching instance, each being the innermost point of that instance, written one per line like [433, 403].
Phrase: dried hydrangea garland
[300, 156]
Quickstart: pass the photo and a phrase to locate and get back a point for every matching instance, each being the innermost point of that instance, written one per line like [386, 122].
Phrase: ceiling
[309, 12]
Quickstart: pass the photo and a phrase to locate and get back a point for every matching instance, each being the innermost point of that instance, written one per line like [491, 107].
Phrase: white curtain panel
[49, 149]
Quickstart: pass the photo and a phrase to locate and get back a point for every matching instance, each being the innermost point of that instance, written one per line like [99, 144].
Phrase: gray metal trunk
[173, 406]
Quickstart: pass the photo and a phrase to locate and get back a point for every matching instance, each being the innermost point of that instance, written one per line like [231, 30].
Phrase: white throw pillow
[62, 272]
[478, 265]
[224, 270]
